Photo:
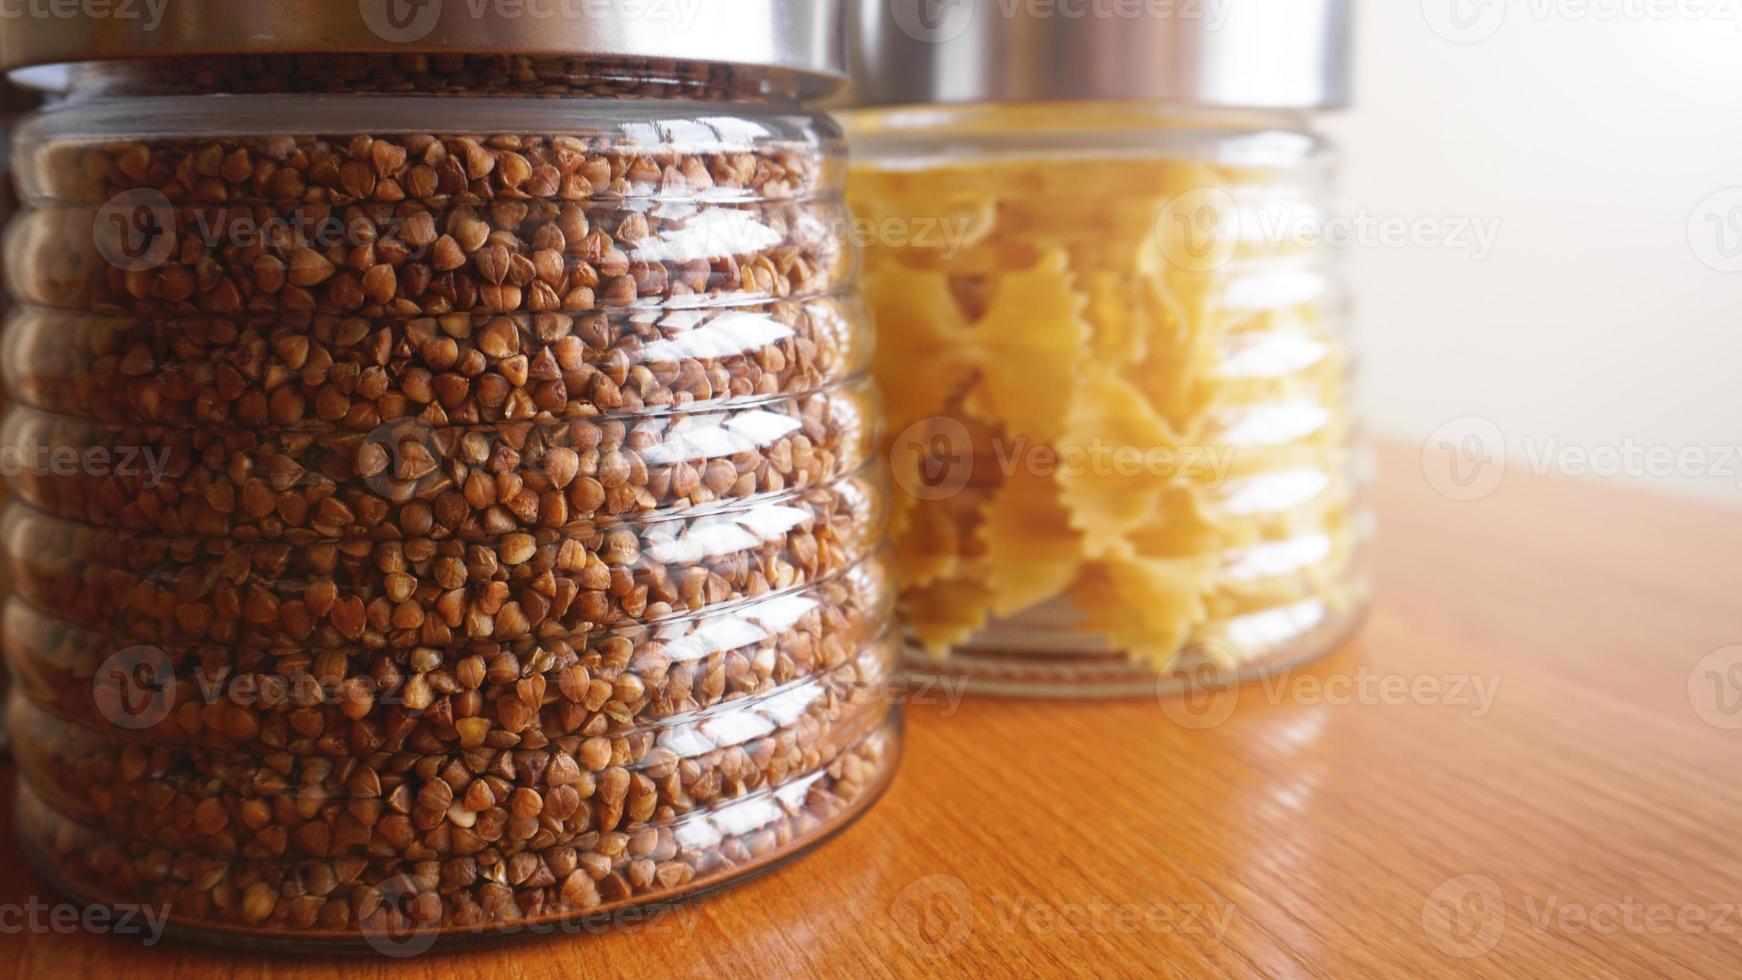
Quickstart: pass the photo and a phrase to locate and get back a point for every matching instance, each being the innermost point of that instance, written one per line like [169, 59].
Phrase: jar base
[985, 668]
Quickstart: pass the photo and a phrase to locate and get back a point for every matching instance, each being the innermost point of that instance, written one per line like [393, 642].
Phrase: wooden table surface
[1531, 765]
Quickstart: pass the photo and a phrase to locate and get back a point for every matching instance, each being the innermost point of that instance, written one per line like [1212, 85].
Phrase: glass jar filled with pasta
[460, 510]
[1111, 339]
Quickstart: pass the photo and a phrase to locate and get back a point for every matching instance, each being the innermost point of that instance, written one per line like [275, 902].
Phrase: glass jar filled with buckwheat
[1111, 340]
[451, 498]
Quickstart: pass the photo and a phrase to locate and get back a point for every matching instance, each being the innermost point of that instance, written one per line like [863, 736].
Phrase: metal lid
[1225, 53]
[802, 36]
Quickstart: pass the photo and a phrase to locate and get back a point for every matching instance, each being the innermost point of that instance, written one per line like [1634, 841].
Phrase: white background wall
[1591, 130]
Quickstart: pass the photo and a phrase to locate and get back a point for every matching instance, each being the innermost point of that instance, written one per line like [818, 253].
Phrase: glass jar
[451, 502]
[1111, 342]
[14, 102]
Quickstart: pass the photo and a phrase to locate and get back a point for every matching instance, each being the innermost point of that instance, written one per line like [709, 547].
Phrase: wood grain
[1418, 836]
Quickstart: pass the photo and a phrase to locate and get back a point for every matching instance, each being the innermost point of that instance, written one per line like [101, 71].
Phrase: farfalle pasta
[1118, 396]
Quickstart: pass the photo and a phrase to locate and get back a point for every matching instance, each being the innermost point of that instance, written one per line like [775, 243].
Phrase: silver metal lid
[805, 37]
[1225, 53]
